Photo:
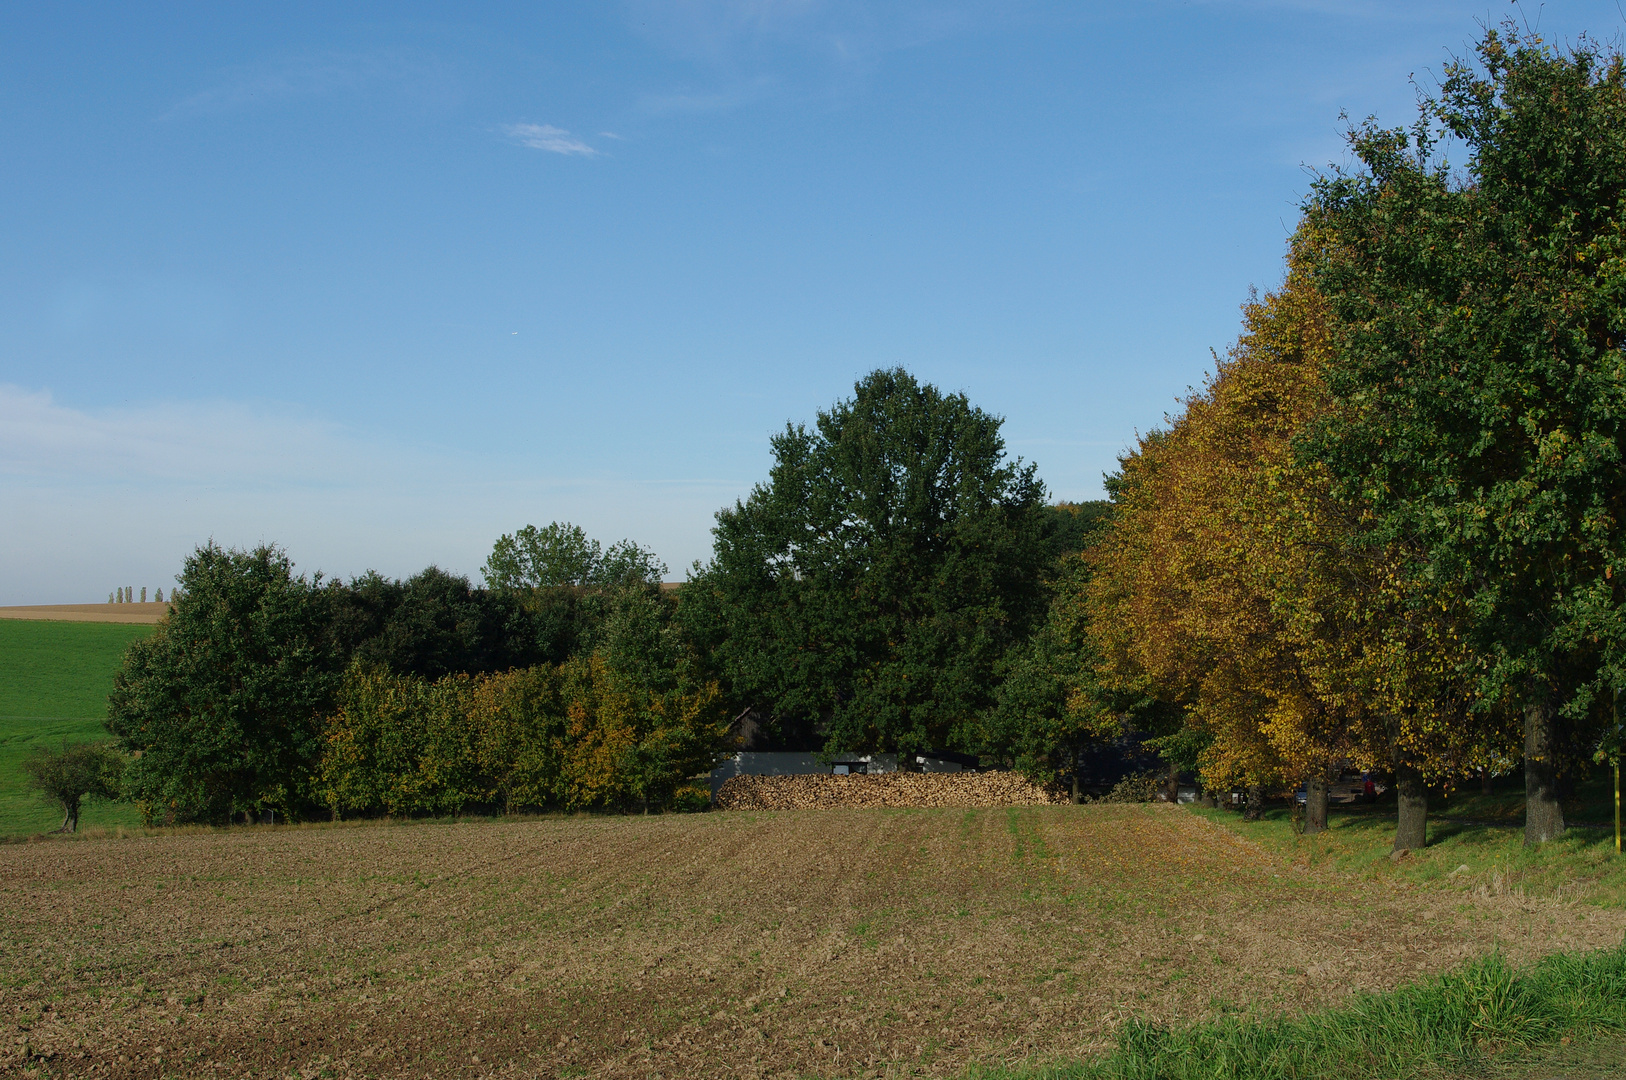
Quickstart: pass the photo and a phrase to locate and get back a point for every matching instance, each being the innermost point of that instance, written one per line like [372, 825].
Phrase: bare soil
[134, 612]
[843, 942]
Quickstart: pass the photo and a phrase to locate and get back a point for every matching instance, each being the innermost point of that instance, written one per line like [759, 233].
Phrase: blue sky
[382, 282]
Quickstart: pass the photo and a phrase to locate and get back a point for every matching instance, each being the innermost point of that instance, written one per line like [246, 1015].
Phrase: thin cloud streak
[547, 137]
[407, 71]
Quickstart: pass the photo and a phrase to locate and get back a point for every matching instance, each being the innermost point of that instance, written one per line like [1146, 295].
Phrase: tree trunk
[1543, 816]
[1173, 786]
[1315, 805]
[1077, 798]
[1411, 829]
[1255, 808]
[1485, 782]
[70, 817]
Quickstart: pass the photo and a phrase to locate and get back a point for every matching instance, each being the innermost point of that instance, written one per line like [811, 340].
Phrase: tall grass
[1452, 1024]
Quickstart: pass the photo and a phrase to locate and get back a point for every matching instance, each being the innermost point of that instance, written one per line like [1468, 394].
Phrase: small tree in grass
[77, 772]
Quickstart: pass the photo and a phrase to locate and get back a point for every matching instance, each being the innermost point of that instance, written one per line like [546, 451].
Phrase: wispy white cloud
[97, 498]
[549, 138]
[740, 33]
[704, 101]
[193, 441]
[743, 52]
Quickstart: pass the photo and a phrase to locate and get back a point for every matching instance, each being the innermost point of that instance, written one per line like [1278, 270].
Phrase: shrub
[1139, 787]
[79, 771]
[691, 799]
[400, 745]
[582, 736]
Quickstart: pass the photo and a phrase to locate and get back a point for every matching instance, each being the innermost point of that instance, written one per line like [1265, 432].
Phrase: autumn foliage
[580, 736]
[1236, 587]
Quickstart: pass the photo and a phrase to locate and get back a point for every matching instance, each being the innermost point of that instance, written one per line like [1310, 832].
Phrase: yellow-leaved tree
[1235, 585]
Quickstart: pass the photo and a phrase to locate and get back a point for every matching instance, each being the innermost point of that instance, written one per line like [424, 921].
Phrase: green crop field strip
[54, 681]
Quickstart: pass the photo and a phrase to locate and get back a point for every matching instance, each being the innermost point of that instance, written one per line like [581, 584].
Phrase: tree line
[1384, 534]
[1386, 531]
[865, 598]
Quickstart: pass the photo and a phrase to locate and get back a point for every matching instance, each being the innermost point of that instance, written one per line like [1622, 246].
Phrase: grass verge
[1480, 1017]
[1468, 854]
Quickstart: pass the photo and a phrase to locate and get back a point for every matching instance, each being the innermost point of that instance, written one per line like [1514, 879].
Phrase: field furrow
[788, 943]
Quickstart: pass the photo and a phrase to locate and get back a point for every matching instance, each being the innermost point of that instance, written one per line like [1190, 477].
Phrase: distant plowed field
[752, 944]
[147, 613]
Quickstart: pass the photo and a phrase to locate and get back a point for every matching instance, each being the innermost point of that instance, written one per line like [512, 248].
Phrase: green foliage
[1455, 1024]
[401, 745]
[21, 811]
[1071, 527]
[222, 705]
[1479, 380]
[432, 624]
[562, 554]
[1049, 702]
[864, 595]
[77, 772]
[582, 736]
[622, 727]
[1182, 748]
[556, 588]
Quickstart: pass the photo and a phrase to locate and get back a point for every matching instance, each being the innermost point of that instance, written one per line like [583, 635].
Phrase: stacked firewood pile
[900, 789]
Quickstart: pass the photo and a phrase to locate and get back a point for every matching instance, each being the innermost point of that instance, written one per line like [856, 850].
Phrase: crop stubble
[830, 943]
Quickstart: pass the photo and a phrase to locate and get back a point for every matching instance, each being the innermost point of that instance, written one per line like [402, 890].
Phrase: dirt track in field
[828, 943]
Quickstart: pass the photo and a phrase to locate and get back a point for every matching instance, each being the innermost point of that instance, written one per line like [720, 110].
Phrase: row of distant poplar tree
[127, 595]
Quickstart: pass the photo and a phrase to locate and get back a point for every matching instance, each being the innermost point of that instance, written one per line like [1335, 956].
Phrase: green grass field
[54, 681]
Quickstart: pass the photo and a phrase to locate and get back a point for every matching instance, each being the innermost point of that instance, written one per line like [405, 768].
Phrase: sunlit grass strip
[1443, 1026]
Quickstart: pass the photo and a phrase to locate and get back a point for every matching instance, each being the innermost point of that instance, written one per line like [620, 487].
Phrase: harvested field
[960, 790]
[848, 942]
[148, 613]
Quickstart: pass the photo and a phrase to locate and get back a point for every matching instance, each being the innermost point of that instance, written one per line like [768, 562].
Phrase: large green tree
[221, 706]
[562, 554]
[557, 587]
[434, 623]
[1478, 379]
[863, 597]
